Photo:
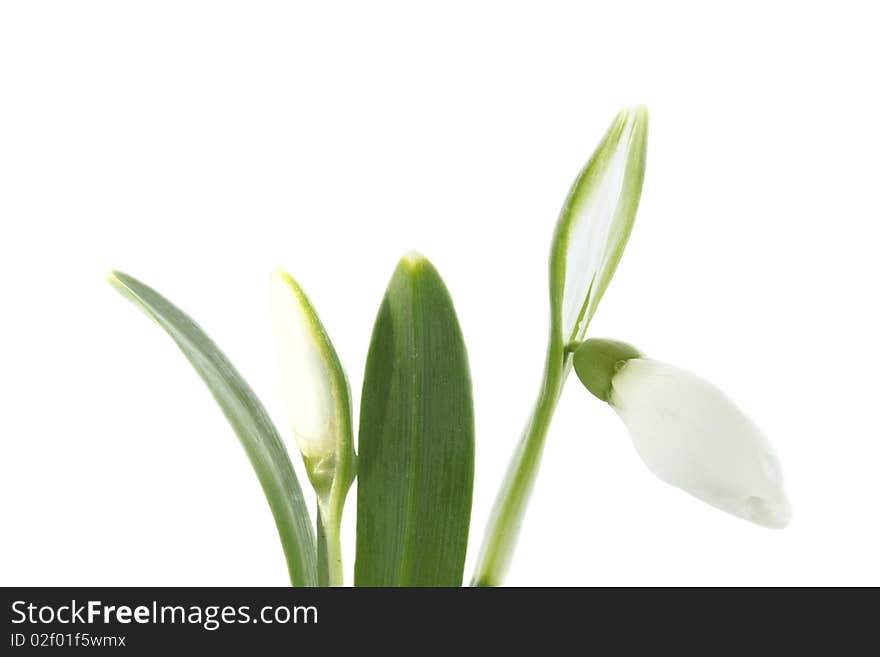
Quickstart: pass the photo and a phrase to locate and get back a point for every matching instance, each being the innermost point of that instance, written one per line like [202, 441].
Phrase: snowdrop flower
[687, 431]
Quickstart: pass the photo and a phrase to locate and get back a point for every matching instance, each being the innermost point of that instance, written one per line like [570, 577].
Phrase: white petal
[306, 376]
[692, 436]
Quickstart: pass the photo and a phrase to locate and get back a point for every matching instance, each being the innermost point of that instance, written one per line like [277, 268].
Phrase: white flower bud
[309, 385]
[693, 437]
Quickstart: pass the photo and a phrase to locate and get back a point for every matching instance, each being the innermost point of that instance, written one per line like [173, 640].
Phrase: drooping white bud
[687, 431]
[692, 436]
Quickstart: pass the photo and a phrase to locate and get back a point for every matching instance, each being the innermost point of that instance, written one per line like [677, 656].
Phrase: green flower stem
[329, 546]
[510, 505]
[331, 501]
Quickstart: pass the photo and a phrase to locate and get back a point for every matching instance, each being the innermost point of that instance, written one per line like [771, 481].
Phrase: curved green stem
[510, 505]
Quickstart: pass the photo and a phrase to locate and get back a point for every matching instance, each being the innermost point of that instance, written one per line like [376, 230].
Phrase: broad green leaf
[595, 224]
[248, 418]
[416, 440]
[316, 392]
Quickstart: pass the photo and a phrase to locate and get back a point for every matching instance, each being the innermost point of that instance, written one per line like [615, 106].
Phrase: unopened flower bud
[688, 432]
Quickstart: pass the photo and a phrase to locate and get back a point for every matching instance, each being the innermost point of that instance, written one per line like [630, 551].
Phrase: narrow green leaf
[416, 441]
[318, 404]
[248, 418]
[595, 224]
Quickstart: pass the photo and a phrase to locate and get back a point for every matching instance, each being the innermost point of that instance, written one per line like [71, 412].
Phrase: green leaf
[318, 402]
[595, 224]
[416, 441]
[248, 418]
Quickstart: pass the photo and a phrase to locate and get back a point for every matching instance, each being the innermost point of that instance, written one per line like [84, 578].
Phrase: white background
[198, 146]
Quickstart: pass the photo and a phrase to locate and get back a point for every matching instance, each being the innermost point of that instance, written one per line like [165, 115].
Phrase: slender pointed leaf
[416, 441]
[248, 418]
[595, 223]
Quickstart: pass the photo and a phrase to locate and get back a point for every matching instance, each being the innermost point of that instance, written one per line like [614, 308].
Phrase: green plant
[415, 466]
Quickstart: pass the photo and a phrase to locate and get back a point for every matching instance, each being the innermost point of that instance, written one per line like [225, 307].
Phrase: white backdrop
[198, 146]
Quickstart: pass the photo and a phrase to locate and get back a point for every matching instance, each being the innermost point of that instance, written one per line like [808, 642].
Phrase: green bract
[595, 224]
[597, 360]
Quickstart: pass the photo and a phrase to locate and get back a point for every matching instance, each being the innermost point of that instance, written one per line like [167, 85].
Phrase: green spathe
[416, 439]
[597, 360]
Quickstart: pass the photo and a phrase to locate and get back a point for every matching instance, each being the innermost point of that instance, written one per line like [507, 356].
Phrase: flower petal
[693, 437]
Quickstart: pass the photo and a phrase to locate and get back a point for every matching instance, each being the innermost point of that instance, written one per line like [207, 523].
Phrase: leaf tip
[119, 281]
[413, 260]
